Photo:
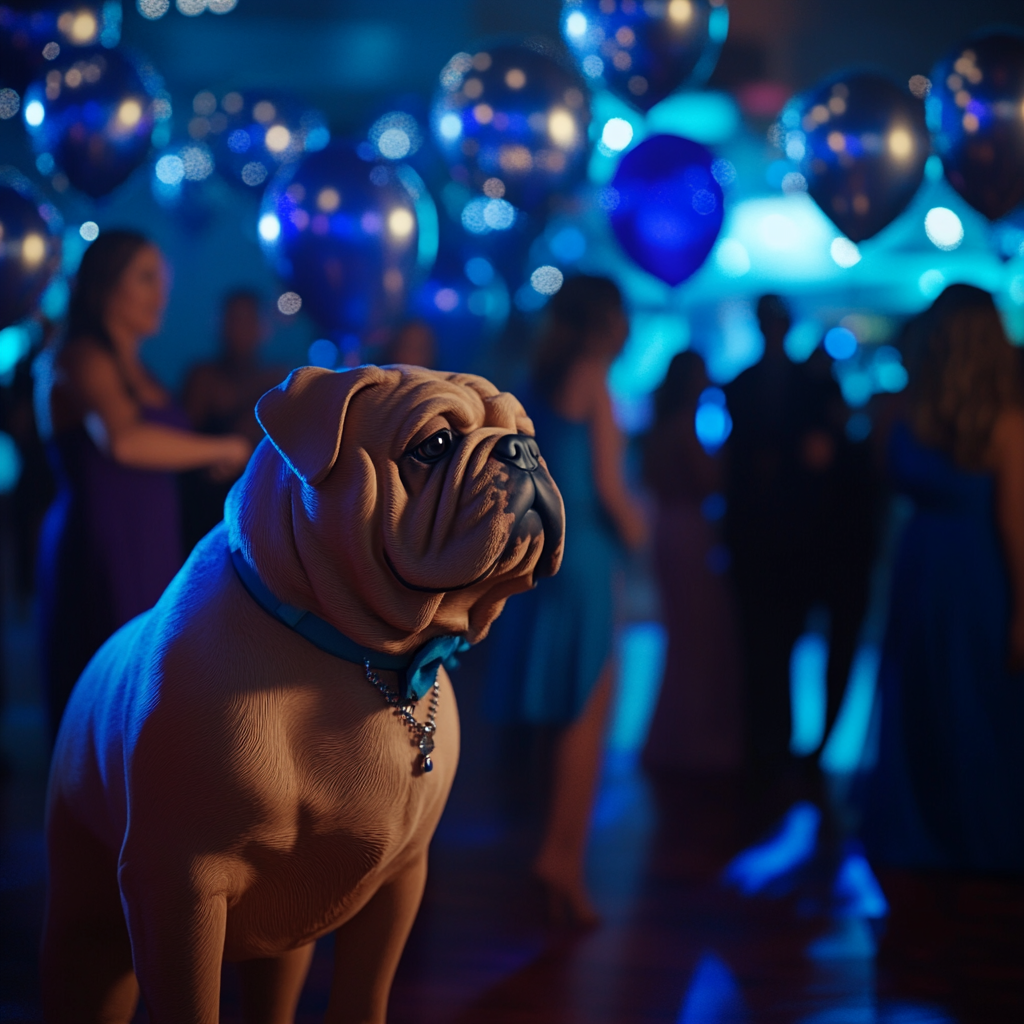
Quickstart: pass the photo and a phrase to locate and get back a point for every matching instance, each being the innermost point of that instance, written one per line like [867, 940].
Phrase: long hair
[678, 389]
[98, 275]
[575, 317]
[963, 374]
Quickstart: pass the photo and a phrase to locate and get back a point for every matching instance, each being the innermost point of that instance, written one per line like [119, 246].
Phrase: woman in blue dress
[948, 788]
[552, 647]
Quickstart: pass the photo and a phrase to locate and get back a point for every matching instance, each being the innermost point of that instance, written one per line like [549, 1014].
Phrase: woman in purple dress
[111, 540]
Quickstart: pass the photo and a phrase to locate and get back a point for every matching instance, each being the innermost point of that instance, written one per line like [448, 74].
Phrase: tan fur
[222, 788]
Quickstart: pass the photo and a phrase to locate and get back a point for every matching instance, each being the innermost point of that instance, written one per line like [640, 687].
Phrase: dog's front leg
[367, 949]
[177, 929]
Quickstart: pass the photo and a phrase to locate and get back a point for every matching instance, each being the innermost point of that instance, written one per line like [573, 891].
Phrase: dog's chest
[345, 807]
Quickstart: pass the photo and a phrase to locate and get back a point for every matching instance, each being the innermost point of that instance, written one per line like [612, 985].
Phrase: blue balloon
[865, 143]
[94, 112]
[466, 302]
[29, 247]
[512, 123]
[28, 39]
[254, 133]
[976, 113]
[342, 233]
[643, 52]
[666, 206]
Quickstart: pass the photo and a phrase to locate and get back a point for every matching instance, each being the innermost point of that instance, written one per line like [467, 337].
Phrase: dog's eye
[435, 448]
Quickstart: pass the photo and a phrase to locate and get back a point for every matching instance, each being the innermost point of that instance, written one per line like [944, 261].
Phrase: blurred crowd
[747, 540]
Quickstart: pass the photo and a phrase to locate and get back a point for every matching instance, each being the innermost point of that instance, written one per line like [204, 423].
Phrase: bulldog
[263, 757]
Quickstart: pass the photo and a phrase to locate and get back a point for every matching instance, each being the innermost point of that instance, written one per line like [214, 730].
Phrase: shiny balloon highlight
[94, 113]
[976, 113]
[512, 124]
[29, 247]
[665, 206]
[342, 234]
[863, 143]
[644, 52]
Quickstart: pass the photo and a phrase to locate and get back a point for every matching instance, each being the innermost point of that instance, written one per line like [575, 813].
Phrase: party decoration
[643, 52]
[665, 206]
[465, 301]
[29, 39]
[862, 144]
[94, 113]
[512, 122]
[342, 234]
[976, 113]
[29, 246]
[252, 134]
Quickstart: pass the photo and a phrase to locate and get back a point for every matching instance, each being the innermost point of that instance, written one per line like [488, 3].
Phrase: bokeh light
[840, 343]
[90, 231]
[943, 228]
[289, 303]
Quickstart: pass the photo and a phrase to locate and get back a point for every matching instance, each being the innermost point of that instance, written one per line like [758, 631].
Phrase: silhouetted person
[762, 534]
[111, 541]
[697, 725]
[220, 398]
[948, 789]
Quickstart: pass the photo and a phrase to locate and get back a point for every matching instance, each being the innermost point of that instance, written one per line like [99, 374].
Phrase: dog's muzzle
[520, 451]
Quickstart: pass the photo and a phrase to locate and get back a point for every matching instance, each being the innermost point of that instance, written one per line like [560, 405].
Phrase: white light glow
[393, 144]
[943, 228]
[35, 113]
[269, 227]
[576, 24]
[289, 303]
[931, 282]
[278, 138]
[401, 222]
[844, 252]
[90, 231]
[153, 9]
[33, 250]
[546, 280]
[562, 128]
[617, 134]
[450, 127]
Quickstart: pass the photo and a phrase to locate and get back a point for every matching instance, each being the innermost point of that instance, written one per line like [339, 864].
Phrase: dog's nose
[519, 450]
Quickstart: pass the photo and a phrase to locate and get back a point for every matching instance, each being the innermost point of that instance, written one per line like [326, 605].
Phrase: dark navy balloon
[865, 145]
[976, 113]
[466, 302]
[94, 113]
[29, 247]
[512, 123]
[665, 206]
[342, 233]
[252, 134]
[644, 51]
[29, 39]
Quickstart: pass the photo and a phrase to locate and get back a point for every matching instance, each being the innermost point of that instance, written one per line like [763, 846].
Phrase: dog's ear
[304, 416]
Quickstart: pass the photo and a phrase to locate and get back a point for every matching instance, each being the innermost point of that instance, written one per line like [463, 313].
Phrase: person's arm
[116, 426]
[607, 447]
[1008, 460]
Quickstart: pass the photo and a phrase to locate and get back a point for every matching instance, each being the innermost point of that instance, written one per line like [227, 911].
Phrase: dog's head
[397, 503]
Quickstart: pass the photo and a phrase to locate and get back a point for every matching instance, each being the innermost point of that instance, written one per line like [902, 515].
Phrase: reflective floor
[717, 908]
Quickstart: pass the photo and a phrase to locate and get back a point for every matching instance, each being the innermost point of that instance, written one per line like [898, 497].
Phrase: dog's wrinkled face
[419, 501]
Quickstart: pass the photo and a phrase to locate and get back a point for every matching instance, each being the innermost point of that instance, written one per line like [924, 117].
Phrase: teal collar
[416, 671]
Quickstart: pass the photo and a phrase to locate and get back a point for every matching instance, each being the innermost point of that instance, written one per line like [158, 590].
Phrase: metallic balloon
[342, 233]
[94, 112]
[864, 143]
[976, 113]
[512, 122]
[466, 302]
[644, 51]
[29, 246]
[253, 133]
[29, 39]
[665, 206]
